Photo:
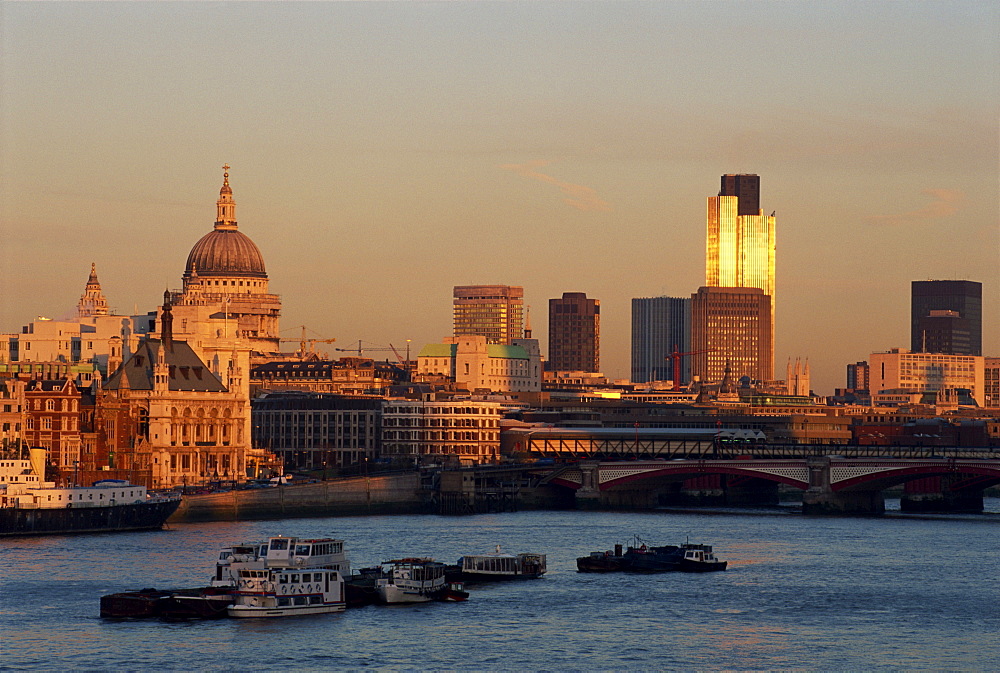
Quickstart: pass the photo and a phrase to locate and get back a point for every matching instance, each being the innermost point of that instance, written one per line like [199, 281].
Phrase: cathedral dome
[225, 252]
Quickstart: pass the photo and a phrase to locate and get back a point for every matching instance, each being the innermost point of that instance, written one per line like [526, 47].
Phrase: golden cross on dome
[226, 169]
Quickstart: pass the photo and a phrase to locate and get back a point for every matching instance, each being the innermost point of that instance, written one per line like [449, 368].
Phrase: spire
[92, 301]
[167, 323]
[225, 207]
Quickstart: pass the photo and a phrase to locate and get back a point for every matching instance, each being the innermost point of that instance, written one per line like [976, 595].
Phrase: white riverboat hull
[243, 611]
[390, 594]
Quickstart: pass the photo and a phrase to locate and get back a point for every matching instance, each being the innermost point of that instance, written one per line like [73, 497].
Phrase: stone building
[190, 425]
[427, 431]
[473, 364]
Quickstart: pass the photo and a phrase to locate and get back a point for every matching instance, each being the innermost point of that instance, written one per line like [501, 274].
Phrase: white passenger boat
[498, 566]
[416, 580]
[284, 576]
[282, 592]
[280, 552]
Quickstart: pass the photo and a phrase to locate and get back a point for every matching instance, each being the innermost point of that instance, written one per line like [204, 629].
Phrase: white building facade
[474, 364]
[899, 369]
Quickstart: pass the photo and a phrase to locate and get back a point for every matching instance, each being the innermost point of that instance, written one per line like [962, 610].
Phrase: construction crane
[675, 358]
[360, 350]
[303, 353]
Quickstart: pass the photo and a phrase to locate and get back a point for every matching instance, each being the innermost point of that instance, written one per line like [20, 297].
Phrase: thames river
[830, 594]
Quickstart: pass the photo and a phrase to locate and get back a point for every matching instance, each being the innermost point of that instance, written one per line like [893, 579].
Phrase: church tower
[92, 302]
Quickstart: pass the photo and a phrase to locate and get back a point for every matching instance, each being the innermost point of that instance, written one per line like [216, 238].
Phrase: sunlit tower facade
[574, 333]
[740, 245]
[493, 311]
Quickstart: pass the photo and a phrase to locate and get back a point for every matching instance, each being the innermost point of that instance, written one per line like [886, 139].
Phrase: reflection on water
[801, 593]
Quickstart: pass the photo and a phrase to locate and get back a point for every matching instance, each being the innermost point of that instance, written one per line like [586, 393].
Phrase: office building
[574, 333]
[740, 243]
[493, 311]
[946, 316]
[903, 370]
[730, 330]
[660, 325]
[857, 376]
[313, 431]
[427, 431]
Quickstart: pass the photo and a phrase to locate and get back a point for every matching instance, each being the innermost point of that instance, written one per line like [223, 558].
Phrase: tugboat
[698, 558]
[497, 566]
[417, 580]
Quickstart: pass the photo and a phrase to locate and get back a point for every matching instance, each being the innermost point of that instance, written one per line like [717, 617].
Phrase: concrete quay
[383, 494]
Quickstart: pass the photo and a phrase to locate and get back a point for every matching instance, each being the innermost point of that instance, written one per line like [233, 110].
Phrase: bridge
[631, 469]
[829, 483]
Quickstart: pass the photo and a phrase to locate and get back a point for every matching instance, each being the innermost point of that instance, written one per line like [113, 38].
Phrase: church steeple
[92, 301]
[225, 207]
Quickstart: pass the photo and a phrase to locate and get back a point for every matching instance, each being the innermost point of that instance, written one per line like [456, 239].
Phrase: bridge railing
[573, 449]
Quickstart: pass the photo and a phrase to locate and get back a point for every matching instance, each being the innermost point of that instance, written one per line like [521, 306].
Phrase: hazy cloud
[578, 196]
[945, 202]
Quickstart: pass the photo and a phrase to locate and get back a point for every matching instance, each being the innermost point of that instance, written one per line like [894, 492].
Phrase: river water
[831, 594]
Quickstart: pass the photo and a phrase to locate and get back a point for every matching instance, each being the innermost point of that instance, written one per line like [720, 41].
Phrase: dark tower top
[746, 187]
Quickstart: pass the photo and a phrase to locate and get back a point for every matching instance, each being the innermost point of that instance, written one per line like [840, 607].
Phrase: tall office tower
[857, 376]
[493, 311]
[740, 242]
[731, 325]
[574, 333]
[659, 325]
[946, 316]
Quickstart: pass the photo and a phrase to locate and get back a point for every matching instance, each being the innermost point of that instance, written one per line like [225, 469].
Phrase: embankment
[384, 494]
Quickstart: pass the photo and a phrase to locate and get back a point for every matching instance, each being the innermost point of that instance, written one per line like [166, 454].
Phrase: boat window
[302, 550]
[224, 555]
[279, 544]
[300, 600]
[295, 579]
[283, 579]
[306, 577]
[282, 602]
[315, 600]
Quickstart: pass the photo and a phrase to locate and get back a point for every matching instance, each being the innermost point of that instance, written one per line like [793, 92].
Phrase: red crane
[675, 358]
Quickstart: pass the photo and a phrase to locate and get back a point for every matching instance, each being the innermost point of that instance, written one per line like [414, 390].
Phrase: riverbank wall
[384, 494]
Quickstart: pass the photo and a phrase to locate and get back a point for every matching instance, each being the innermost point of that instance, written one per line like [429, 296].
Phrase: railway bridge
[829, 483]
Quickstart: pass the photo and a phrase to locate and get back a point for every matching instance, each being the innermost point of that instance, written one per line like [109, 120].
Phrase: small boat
[699, 558]
[497, 566]
[360, 586]
[416, 580]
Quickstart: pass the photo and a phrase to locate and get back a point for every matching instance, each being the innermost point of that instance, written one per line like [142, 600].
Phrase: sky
[383, 152]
